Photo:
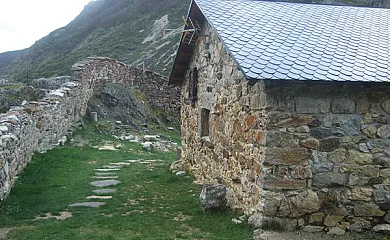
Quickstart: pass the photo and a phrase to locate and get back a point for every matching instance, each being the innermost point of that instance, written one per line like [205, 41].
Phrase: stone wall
[99, 70]
[41, 125]
[292, 153]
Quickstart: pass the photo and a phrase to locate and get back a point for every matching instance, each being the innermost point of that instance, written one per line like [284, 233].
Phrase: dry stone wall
[292, 154]
[41, 125]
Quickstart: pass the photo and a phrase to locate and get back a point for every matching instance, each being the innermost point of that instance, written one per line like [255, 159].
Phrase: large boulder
[213, 197]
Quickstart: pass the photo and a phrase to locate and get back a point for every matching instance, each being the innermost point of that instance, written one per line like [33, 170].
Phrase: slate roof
[273, 40]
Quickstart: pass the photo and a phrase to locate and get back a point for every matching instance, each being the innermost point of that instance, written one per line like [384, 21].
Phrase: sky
[23, 22]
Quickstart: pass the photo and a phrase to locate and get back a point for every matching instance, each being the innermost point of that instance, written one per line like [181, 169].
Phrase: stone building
[288, 105]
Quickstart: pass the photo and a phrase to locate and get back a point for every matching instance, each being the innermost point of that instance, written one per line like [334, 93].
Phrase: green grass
[148, 200]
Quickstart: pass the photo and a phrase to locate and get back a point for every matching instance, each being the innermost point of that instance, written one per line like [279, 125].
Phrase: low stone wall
[38, 126]
[292, 153]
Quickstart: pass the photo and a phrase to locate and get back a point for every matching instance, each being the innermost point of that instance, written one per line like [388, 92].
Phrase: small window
[193, 85]
[205, 122]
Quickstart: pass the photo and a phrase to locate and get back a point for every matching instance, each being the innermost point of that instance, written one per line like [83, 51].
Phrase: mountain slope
[130, 31]
[112, 28]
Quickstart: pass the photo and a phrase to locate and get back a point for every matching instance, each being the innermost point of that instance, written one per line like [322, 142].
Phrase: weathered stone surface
[88, 204]
[382, 228]
[387, 217]
[281, 139]
[105, 183]
[329, 144]
[365, 209]
[316, 218]
[386, 106]
[359, 224]
[333, 220]
[104, 191]
[312, 229]
[384, 131]
[343, 105]
[370, 131]
[271, 201]
[288, 157]
[345, 125]
[338, 156]
[321, 132]
[360, 194]
[312, 105]
[356, 157]
[301, 172]
[303, 203]
[309, 143]
[284, 184]
[213, 197]
[336, 231]
[329, 179]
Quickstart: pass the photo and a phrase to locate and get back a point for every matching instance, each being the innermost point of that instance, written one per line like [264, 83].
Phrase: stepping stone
[112, 167]
[105, 177]
[107, 169]
[104, 191]
[134, 161]
[99, 197]
[105, 183]
[104, 173]
[88, 204]
[120, 164]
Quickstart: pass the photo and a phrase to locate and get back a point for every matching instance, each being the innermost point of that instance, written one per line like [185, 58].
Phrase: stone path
[105, 177]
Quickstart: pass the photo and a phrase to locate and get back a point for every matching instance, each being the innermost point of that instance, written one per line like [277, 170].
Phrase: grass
[151, 202]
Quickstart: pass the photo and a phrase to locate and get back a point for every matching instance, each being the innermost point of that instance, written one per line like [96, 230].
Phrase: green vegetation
[151, 202]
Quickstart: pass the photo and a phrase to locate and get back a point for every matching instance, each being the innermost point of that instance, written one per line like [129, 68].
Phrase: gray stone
[356, 157]
[382, 228]
[320, 132]
[386, 106]
[302, 129]
[367, 209]
[105, 183]
[312, 229]
[107, 169]
[343, 105]
[87, 204]
[316, 218]
[384, 131]
[345, 125]
[147, 146]
[3, 128]
[359, 224]
[370, 131]
[387, 217]
[336, 231]
[321, 167]
[112, 166]
[104, 191]
[312, 105]
[280, 139]
[301, 204]
[363, 148]
[333, 220]
[329, 144]
[105, 173]
[329, 179]
[213, 197]
[180, 173]
[337, 156]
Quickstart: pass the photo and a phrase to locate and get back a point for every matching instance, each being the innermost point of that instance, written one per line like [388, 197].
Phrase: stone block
[330, 179]
[336, 231]
[382, 228]
[299, 205]
[280, 139]
[386, 106]
[367, 209]
[360, 194]
[332, 220]
[284, 184]
[213, 197]
[370, 131]
[346, 125]
[301, 172]
[356, 157]
[270, 202]
[329, 144]
[309, 143]
[337, 156]
[316, 218]
[287, 157]
[313, 229]
[343, 105]
[384, 132]
[320, 132]
[312, 105]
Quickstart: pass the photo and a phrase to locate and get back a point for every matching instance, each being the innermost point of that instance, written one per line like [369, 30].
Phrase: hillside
[127, 30]
[130, 31]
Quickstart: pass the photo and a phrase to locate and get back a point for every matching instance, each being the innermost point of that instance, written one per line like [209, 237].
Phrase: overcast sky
[22, 22]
